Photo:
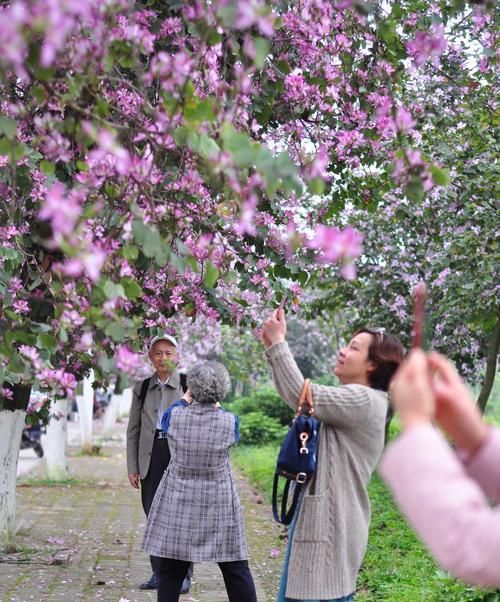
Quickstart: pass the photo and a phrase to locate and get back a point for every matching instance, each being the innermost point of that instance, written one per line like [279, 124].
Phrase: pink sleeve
[484, 466]
[445, 506]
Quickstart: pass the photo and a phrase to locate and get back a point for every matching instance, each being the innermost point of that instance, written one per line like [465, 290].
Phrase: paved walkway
[81, 541]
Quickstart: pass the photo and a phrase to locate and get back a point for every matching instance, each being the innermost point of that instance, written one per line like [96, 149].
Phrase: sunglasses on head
[380, 331]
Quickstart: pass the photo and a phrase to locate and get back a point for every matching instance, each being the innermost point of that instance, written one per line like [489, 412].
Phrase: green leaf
[9, 253]
[47, 341]
[211, 275]
[113, 290]
[198, 110]
[5, 146]
[17, 152]
[8, 127]
[115, 331]
[202, 144]
[181, 135]
[150, 242]
[440, 176]
[130, 253]
[47, 167]
[414, 190]
[316, 186]
[39, 94]
[132, 289]
[261, 52]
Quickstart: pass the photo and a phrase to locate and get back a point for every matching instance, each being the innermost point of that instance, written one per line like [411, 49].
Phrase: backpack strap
[286, 517]
[144, 390]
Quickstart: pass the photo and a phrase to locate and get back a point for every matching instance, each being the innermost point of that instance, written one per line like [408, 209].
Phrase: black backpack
[144, 390]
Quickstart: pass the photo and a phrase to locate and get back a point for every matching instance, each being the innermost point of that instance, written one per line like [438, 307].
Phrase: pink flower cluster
[56, 380]
[334, 245]
[427, 45]
[127, 360]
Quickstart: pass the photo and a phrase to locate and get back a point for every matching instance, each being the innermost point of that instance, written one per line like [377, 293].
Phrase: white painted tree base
[85, 404]
[11, 428]
[111, 415]
[126, 403]
[55, 447]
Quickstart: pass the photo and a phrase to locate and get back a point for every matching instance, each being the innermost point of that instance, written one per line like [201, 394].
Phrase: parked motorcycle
[32, 438]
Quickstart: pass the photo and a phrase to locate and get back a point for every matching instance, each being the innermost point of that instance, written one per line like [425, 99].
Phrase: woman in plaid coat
[196, 514]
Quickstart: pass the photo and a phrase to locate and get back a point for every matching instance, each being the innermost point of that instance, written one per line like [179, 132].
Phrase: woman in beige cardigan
[328, 538]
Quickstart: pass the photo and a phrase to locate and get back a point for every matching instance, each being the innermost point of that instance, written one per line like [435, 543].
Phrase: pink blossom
[63, 210]
[12, 42]
[427, 45]
[318, 167]
[6, 393]
[334, 244]
[253, 12]
[59, 381]
[126, 360]
[404, 119]
[441, 279]
[90, 262]
[170, 27]
[245, 223]
[30, 353]
[21, 306]
[108, 148]
[86, 341]
[348, 271]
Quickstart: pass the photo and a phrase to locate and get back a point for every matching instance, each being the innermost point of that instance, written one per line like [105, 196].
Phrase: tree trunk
[11, 427]
[126, 403]
[55, 448]
[85, 403]
[111, 415]
[491, 368]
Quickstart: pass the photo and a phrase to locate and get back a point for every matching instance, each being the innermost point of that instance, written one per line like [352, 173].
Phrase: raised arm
[445, 506]
[344, 406]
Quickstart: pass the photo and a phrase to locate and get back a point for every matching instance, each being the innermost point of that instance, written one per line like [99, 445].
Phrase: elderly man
[148, 454]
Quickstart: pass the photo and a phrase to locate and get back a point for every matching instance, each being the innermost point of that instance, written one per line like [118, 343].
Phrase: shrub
[256, 428]
[265, 400]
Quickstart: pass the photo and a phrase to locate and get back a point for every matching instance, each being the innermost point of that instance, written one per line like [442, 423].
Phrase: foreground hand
[456, 411]
[411, 393]
[133, 477]
[274, 328]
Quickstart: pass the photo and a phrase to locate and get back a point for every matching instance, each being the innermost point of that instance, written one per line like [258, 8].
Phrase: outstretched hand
[411, 393]
[456, 411]
[427, 388]
[274, 328]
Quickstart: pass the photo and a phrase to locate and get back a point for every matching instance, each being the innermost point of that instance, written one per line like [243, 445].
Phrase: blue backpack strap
[144, 391]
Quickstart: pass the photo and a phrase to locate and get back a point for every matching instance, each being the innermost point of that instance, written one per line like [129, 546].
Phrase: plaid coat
[196, 513]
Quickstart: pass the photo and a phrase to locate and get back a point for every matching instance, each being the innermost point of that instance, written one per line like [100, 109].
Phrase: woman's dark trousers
[237, 578]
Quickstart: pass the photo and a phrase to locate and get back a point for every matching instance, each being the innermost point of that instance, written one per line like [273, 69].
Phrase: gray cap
[162, 337]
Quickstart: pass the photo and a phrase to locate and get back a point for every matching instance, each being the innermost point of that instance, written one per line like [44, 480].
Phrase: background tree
[446, 237]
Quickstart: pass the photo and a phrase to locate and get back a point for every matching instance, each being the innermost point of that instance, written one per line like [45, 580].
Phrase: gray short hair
[208, 382]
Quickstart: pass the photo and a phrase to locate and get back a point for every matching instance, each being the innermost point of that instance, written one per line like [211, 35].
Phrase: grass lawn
[397, 567]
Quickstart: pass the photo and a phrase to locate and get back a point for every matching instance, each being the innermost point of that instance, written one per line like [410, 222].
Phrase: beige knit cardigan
[331, 534]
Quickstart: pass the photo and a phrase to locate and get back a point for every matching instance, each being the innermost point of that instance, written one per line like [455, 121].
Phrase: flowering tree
[159, 159]
[445, 236]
